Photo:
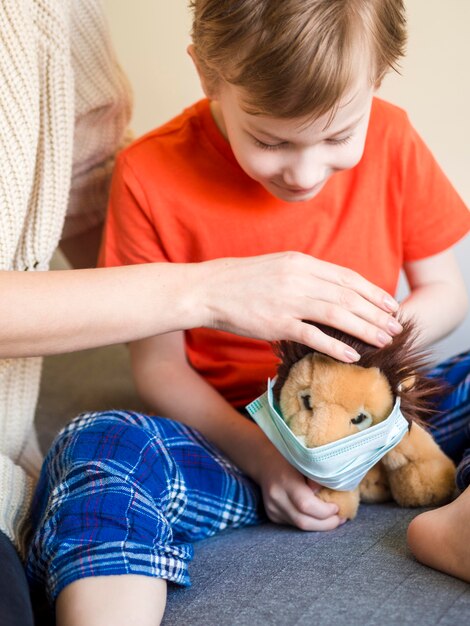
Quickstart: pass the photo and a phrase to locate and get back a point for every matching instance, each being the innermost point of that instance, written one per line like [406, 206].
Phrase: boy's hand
[289, 497]
[269, 296]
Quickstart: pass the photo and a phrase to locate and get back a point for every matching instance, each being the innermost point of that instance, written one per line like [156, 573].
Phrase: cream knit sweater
[64, 108]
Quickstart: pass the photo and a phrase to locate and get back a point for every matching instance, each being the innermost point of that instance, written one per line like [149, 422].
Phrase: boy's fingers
[296, 504]
[287, 513]
[307, 523]
[306, 504]
[312, 484]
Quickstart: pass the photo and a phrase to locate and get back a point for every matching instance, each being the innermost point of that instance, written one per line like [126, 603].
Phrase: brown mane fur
[398, 361]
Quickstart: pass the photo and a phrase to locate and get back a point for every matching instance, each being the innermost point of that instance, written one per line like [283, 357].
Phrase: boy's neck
[218, 117]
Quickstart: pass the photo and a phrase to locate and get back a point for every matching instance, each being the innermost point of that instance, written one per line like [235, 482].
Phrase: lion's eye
[362, 421]
[306, 400]
[359, 419]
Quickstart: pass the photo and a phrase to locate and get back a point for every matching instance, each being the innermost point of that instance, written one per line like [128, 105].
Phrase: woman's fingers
[339, 298]
[335, 305]
[268, 297]
[351, 281]
[311, 335]
[330, 299]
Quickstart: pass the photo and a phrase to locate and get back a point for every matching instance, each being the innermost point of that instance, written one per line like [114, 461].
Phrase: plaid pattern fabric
[124, 493]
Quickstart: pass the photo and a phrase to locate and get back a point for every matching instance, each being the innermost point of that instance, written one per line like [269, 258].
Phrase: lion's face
[323, 400]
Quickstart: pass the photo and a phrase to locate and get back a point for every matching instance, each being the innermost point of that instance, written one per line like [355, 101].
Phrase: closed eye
[269, 146]
[339, 142]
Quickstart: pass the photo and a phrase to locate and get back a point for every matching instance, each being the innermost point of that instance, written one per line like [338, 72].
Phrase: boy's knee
[109, 442]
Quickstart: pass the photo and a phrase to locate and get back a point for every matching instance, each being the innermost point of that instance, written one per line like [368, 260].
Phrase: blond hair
[294, 58]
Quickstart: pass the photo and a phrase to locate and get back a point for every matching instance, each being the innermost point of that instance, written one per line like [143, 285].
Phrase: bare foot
[441, 538]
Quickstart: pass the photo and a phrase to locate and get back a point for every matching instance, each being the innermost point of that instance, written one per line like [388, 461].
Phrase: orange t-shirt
[179, 195]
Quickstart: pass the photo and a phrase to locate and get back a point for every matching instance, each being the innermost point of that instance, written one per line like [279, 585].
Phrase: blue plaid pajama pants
[450, 425]
[125, 493]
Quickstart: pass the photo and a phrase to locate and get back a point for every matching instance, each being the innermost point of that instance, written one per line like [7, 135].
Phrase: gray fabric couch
[361, 574]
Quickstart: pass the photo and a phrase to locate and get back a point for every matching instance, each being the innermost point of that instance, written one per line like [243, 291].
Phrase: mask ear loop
[407, 384]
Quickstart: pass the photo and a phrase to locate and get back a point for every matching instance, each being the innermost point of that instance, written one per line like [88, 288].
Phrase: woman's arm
[438, 299]
[267, 297]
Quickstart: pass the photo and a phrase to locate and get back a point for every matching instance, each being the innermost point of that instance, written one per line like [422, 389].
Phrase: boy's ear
[209, 92]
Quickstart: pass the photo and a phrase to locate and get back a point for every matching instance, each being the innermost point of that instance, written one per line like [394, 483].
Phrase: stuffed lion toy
[323, 400]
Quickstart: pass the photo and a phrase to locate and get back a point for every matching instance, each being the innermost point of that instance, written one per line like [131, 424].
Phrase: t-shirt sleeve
[129, 236]
[434, 215]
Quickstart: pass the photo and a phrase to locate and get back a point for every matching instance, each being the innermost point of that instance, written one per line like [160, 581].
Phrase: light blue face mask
[340, 465]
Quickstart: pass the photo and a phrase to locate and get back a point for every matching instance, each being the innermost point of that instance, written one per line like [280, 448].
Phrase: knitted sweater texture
[64, 109]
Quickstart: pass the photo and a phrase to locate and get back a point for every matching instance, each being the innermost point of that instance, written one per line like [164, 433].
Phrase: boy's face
[293, 159]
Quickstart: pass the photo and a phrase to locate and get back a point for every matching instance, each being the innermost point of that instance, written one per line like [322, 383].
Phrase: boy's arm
[438, 299]
[167, 382]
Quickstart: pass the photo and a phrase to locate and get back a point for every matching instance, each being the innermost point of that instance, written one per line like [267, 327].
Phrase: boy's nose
[304, 173]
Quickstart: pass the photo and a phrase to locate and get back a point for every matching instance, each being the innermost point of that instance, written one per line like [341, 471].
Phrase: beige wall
[151, 37]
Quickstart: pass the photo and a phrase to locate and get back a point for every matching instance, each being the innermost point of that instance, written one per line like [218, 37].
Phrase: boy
[247, 171]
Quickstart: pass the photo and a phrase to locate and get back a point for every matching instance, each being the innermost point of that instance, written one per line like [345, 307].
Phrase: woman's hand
[269, 296]
[266, 297]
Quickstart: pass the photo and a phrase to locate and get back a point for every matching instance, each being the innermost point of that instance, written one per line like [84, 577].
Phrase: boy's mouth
[301, 191]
